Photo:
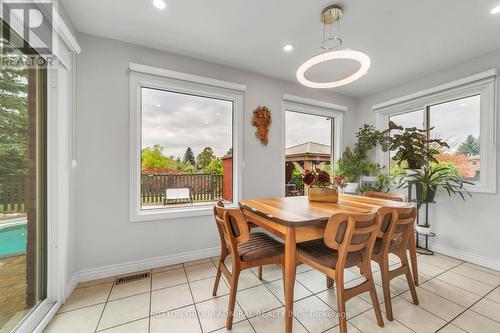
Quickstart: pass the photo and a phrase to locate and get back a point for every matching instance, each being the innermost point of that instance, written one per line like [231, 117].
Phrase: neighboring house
[475, 165]
[305, 156]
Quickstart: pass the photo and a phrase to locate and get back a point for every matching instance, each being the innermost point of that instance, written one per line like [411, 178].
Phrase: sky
[302, 128]
[177, 121]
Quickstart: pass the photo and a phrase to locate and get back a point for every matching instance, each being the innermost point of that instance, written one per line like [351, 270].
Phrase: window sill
[173, 213]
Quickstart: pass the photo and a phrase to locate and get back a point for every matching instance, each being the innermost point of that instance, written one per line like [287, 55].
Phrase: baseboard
[71, 285]
[468, 256]
[140, 265]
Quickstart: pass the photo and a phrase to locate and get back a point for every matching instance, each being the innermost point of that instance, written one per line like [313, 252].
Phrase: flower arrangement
[322, 179]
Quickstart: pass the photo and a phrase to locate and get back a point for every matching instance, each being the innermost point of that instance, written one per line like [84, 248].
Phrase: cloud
[177, 121]
[302, 128]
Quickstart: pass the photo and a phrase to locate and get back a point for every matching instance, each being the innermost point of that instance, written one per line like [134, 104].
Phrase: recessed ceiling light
[157, 105]
[160, 4]
[495, 10]
[463, 105]
[288, 48]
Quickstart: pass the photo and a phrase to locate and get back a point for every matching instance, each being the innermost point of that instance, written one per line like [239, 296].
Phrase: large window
[462, 113]
[185, 147]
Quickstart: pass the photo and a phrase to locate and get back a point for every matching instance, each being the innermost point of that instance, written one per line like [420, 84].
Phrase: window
[187, 149]
[311, 140]
[462, 114]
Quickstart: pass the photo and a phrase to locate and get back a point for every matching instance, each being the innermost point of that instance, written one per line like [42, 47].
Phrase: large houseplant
[322, 186]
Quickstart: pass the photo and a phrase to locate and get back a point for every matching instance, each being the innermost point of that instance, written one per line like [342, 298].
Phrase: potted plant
[413, 147]
[381, 184]
[352, 165]
[322, 187]
[428, 180]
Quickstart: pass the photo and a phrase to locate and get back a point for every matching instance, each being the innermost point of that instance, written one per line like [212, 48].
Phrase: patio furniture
[396, 230]
[412, 244]
[246, 249]
[177, 195]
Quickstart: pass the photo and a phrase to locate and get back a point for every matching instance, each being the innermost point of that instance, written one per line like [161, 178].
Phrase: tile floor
[455, 296]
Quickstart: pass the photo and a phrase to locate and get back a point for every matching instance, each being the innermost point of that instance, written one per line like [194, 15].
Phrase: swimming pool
[13, 240]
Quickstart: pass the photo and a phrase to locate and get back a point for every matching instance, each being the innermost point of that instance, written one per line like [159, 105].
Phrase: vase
[323, 194]
[423, 230]
[431, 192]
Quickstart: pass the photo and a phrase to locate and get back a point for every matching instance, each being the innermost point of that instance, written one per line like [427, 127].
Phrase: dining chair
[246, 250]
[348, 242]
[412, 244]
[393, 236]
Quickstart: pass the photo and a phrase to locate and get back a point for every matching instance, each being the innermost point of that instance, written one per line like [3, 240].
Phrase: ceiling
[405, 39]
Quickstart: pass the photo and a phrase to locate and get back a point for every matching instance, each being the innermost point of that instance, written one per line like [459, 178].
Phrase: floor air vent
[130, 278]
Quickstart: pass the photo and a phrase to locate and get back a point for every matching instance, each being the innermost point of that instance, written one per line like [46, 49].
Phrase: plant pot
[431, 192]
[323, 194]
[351, 187]
[423, 230]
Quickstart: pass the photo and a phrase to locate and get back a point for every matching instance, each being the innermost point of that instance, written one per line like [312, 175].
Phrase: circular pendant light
[329, 16]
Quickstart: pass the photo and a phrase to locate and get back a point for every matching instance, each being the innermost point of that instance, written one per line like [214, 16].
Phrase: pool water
[13, 240]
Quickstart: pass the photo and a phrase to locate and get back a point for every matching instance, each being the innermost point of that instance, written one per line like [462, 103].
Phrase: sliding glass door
[23, 123]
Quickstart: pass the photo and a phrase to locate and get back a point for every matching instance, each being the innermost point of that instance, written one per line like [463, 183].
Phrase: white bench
[178, 194]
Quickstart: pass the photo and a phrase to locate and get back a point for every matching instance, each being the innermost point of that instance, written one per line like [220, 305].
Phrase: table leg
[290, 269]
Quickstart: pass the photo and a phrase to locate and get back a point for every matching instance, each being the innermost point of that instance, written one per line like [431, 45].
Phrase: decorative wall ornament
[262, 119]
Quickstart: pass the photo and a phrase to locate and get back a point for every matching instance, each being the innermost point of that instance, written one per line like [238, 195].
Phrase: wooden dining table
[296, 220]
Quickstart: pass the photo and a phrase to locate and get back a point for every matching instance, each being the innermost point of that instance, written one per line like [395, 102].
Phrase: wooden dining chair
[396, 230]
[412, 244]
[246, 250]
[348, 242]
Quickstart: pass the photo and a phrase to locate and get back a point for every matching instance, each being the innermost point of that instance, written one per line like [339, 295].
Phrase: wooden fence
[203, 187]
[12, 194]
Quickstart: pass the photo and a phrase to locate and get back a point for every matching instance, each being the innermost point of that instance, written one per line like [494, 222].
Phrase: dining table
[296, 219]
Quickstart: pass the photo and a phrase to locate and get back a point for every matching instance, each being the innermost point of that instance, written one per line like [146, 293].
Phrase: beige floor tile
[350, 329]
[473, 322]
[465, 283]
[421, 277]
[274, 322]
[366, 296]
[197, 262]
[95, 282]
[435, 304]
[315, 315]
[367, 322]
[201, 271]
[169, 278]
[494, 295]
[415, 318]
[182, 320]
[450, 292]
[397, 285]
[313, 280]
[270, 273]
[202, 289]
[478, 274]
[451, 329]
[481, 268]
[303, 268]
[130, 288]
[170, 298]
[87, 296]
[167, 268]
[241, 327]
[79, 321]
[299, 291]
[488, 309]
[354, 306]
[125, 310]
[256, 300]
[429, 270]
[440, 261]
[138, 326]
[213, 313]
[246, 280]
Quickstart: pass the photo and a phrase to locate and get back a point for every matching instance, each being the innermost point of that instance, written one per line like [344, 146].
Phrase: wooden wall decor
[262, 119]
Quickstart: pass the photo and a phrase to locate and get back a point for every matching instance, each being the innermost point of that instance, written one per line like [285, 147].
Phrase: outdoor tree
[470, 147]
[205, 157]
[189, 156]
[215, 167]
[13, 117]
[154, 157]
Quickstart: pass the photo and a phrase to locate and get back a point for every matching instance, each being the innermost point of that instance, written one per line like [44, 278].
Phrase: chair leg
[386, 284]
[217, 279]
[412, 246]
[410, 281]
[341, 306]
[329, 282]
[232, 300]
[373, 295]
[260, 273]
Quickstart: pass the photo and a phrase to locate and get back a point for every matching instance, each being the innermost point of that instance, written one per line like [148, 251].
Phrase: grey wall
[467, 229]
[104, 234]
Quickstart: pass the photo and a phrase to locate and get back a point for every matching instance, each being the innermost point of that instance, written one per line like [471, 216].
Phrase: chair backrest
[399, 228]
[352, 233]
[386, 196]
[233, 229]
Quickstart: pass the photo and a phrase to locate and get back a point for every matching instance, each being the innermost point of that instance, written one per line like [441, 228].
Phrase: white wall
[104, 234]
[465, 229]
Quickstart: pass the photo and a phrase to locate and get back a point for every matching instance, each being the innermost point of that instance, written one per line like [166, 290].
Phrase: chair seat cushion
[317, 251]
[260, 246]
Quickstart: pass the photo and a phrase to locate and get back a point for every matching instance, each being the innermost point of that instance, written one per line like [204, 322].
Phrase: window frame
[316, 108]
[483, 84]
[142, 76]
